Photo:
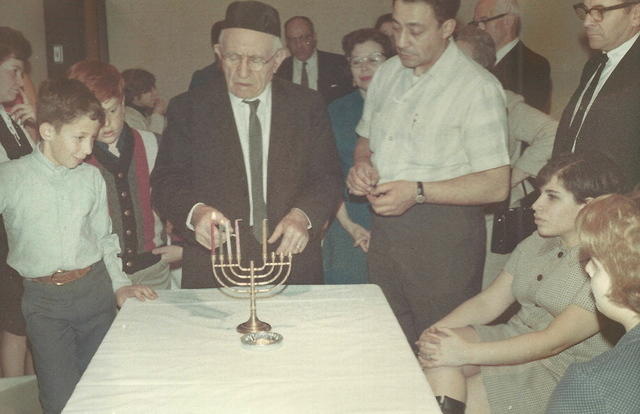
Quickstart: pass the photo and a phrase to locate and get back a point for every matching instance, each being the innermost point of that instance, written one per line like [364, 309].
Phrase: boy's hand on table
[138, 291]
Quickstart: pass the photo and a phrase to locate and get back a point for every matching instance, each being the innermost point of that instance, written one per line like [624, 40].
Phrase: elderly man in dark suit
[322, 71]
[244, 146]
[517, 67]
[604, 112]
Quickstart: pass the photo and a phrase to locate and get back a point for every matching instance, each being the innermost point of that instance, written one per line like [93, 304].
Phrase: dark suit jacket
[204, 75]
[612, 125]
[526, 73]
[334, 80]
[200, 160]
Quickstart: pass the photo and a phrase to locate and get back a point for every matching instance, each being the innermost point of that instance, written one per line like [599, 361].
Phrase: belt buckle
[53, 277]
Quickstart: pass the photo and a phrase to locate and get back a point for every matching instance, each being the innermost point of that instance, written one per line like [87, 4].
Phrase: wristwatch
[420, 197]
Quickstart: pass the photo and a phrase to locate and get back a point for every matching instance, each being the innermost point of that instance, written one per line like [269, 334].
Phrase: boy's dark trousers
[66, 324]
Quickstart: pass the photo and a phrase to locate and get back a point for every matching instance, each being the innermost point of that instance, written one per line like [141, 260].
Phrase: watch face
[420, 199]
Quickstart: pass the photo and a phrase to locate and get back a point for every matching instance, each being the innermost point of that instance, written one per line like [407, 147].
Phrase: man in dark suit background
[247, 146]
[517, 67]
[604, 112]
[202, 76]
[322, 71]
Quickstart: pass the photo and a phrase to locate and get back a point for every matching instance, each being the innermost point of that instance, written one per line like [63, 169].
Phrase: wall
[171, 37]
[27, 16]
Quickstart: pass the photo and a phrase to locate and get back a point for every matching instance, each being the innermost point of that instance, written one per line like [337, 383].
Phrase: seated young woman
[514, 367]
[609, 232]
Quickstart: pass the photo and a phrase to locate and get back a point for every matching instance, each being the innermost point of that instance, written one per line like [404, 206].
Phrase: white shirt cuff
[188, 222]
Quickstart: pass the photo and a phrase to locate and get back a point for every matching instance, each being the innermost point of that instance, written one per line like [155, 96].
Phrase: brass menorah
[252, 280]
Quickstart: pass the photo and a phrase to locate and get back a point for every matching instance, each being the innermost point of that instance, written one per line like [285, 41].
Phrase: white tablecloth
[343, 352]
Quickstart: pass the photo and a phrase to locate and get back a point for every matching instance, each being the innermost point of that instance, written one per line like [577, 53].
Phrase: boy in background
[60, 241]
[125, 157]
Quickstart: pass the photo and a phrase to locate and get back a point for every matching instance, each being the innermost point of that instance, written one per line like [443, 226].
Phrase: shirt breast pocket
[440, 148]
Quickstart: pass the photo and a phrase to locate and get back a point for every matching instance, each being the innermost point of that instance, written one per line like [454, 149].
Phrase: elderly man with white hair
[517, 67]
[248, 146]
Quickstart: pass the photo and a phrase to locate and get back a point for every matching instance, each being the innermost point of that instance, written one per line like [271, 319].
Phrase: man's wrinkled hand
[202, 219]
[293, 231]
[393, 198]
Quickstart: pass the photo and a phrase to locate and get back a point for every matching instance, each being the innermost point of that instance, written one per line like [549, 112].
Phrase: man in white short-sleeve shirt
[432, 150]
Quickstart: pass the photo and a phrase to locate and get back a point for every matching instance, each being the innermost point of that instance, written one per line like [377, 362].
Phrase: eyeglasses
[486, 19]
[375, 58]
[254, 62]
[597, 12]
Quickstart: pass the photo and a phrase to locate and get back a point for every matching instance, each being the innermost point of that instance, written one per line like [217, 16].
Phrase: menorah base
[253, 325]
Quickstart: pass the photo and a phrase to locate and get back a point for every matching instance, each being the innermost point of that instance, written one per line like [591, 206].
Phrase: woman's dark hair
[585, 175]
[12, 42]
[137, 82]
[61, 101]
[350, 40]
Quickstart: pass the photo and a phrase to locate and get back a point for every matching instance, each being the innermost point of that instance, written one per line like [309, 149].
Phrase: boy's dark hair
[61, 101]
[585, 175]
[137, 82]
[442, 9]
[350, 40]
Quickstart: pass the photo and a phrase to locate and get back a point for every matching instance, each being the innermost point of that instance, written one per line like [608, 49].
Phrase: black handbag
[513, 224]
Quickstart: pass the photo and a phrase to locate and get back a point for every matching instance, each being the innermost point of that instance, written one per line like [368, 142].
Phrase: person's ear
[635, 15]
[448, 27]
[217, 51]
[280, 56]
[47, 131]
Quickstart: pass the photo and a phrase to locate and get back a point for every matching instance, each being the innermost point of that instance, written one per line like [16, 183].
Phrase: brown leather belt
[61, 277]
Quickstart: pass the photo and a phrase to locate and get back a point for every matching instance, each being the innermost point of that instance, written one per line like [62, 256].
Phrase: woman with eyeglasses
[514, 367]
[365, 50]
[609, 233]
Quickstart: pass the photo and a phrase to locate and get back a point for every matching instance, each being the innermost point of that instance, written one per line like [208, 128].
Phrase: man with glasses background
[324, 72]
[517, 67]
[247, 146]
[604, 112]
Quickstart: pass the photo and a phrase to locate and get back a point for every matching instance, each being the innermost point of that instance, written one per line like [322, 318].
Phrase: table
[343, 352]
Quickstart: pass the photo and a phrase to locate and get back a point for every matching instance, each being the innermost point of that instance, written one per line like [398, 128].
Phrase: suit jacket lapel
[619, 80]
[282, 145]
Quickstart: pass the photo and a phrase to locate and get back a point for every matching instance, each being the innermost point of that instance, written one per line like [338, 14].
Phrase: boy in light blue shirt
[60, 241]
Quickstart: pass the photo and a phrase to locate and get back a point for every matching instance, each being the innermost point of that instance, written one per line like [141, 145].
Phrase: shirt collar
[312, 61]
[264, 96]
[616, 55]
[42, 159]
[445, 65]
[502, 52]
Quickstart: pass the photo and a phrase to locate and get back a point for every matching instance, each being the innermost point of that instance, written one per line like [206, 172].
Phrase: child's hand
[138, 291]
[170, 254]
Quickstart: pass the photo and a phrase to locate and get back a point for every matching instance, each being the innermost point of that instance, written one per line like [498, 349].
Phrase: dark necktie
[255, 159]
[304, 78]
[600, 62]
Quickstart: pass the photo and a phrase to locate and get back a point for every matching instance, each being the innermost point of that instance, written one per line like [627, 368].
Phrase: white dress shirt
[449, 122]
[312, 71]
